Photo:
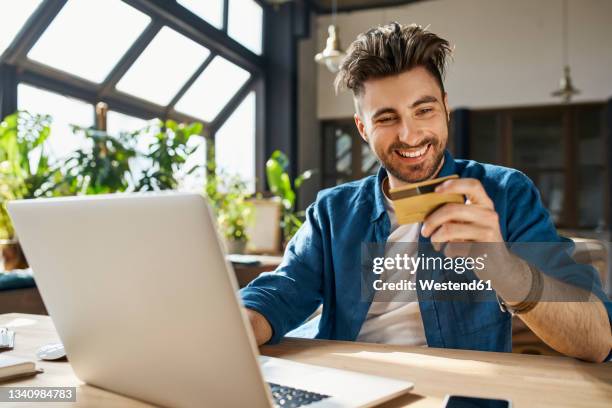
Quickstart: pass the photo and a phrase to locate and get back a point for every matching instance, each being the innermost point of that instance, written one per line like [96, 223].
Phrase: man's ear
[361, 127]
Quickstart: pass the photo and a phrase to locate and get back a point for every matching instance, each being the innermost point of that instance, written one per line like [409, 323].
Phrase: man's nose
[408, 133]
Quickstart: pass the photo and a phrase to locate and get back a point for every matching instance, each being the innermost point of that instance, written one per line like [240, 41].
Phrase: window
[141, 59]
[245, 22]
[163, 68]
[118, 122]
[209, 10]
[87, 38]
[194, 182]
[213, 89]
[235, 142]
[20, 11]
[346, 156]
[64, 111]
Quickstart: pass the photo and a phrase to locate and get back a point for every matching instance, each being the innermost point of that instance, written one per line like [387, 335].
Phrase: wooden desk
[529, 381]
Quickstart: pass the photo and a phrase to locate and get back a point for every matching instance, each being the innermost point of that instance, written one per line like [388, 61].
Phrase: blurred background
[234, 99]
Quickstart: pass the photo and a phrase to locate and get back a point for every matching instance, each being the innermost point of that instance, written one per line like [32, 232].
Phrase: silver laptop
[145, 304]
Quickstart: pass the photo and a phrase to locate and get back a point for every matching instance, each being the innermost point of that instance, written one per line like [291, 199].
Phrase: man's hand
[476, 220]
[577, 329]
[261, 328]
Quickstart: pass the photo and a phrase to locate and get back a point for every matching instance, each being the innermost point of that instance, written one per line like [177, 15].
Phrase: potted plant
[281, 185]
[168, 154]
[102, 168]
[106, 167]
[228, 197]
[25, 172]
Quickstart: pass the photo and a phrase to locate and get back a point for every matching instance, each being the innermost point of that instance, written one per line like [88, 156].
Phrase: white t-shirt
[395, 321]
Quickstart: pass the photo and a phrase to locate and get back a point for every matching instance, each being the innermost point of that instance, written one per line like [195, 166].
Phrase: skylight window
[64, 111]
[212, 90]
[20, 11]
[117, 122]
[235, 142]
[209, 10]
[245, 23]
[87, 38]
[195, 181]
[163, 67]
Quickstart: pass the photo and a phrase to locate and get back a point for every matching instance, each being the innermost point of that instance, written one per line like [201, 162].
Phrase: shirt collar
[447, 169]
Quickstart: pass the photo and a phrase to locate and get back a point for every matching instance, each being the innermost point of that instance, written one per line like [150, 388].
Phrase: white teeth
[413, 153]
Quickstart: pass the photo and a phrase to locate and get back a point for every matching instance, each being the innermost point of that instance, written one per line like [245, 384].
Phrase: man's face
[404, 119]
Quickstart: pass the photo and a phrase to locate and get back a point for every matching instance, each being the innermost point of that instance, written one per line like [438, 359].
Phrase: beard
[417, 172]
[413, 173]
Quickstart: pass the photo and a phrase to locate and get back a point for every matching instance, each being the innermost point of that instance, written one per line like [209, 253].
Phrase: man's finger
[454, 212]
[454, 231]
[469, 187]
[458, 249]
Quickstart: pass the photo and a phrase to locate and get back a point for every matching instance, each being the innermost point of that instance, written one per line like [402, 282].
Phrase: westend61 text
[432, 285]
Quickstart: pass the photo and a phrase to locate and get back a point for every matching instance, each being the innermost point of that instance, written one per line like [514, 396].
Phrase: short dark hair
[390, 50]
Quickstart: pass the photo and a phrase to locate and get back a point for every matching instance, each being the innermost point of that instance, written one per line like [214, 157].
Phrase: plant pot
[13, 257]
[236, 247]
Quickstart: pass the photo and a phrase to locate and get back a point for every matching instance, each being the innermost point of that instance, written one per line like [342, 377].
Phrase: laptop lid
[142, 297]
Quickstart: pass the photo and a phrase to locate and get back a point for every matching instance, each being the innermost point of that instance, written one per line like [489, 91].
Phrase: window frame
[162, 13]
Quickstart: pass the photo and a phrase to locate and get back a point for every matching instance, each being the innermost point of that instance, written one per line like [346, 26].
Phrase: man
[395, 73]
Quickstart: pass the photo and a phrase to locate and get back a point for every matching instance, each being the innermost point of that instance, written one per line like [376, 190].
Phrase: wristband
[532, 299]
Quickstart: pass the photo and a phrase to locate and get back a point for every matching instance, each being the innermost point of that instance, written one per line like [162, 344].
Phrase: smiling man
[396, 75]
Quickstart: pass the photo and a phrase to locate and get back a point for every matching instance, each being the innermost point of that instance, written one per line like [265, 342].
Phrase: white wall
[507, 52]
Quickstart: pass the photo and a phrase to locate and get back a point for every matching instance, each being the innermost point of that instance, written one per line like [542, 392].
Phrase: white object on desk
[13, 367]
[7, 338]
[51, 352]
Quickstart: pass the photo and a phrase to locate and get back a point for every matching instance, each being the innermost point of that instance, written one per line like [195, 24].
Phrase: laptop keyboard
[293, 397]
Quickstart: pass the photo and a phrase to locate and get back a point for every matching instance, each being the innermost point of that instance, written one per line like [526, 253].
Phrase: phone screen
[455, 401]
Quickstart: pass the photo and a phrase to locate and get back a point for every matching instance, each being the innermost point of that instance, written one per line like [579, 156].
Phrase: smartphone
[459, 401]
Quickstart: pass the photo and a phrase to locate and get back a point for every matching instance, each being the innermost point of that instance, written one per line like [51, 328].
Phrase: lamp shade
[332, 55]
[566, 88]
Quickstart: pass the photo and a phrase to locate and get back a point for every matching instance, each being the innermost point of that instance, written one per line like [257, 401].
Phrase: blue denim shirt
[322, 263]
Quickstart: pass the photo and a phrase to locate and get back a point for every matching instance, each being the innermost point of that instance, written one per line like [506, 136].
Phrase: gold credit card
[414, 202]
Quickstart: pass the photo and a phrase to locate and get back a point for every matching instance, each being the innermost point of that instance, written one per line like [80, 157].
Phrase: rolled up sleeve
[290, 294]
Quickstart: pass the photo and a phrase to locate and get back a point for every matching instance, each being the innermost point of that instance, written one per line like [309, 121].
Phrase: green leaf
[286, 185]
[172, 125]
[195, 128]
[303, 177]
[281, 158]
[274, 173]
[11, 120]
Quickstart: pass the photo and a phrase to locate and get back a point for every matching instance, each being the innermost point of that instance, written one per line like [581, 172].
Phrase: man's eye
[424, 111]
[385, 119]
